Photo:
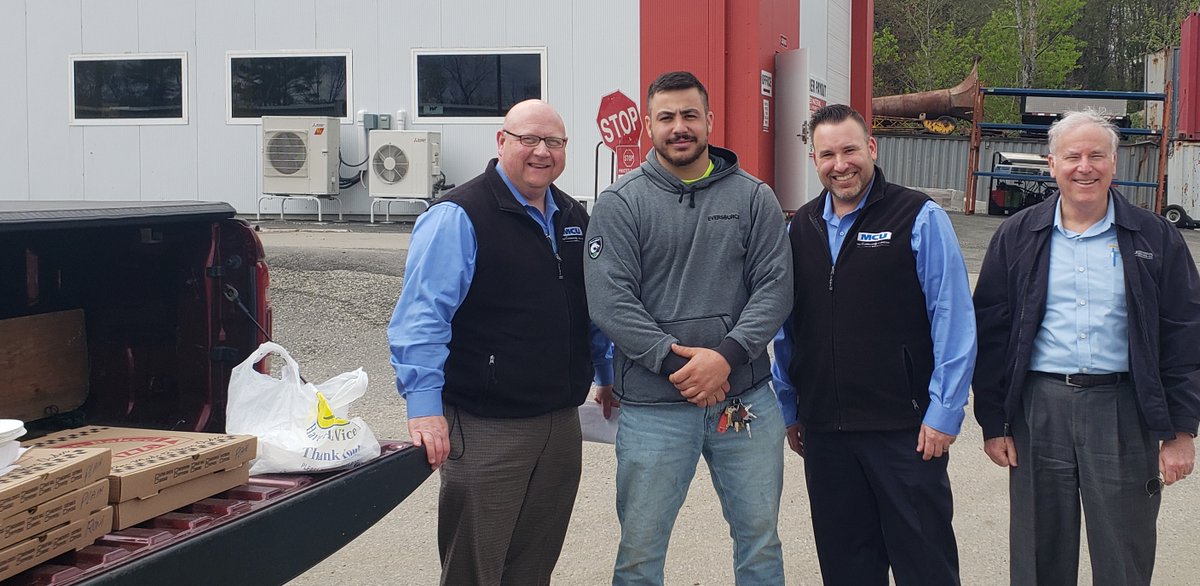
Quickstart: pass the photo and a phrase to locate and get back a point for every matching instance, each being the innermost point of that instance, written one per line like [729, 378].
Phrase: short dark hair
[836, 114]
[676, 80]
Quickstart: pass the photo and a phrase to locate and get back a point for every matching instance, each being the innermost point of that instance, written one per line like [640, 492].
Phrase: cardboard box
[69, 507]
[75, 535]
[45, 474]
[132, 512]
[146, 461]
[46, 364]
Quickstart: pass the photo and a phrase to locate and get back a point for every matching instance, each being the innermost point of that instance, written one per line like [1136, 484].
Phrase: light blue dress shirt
[1086, 327]
[437, 276]
[943, 277]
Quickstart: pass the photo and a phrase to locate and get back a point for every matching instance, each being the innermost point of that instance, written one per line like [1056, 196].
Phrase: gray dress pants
[1082, 445]
[506, 497]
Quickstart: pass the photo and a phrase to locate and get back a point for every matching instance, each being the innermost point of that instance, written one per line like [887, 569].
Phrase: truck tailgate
[297, 521]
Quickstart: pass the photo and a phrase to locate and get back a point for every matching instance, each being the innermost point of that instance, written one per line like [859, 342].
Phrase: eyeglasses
[532, 140]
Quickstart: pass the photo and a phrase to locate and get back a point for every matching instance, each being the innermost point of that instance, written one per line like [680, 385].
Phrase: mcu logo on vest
[874, 237]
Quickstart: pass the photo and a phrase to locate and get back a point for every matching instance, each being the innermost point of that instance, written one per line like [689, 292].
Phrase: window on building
[475, 85]
[288, 84]
[129, 89]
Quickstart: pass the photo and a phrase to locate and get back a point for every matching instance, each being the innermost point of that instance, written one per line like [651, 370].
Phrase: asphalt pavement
[333, 287]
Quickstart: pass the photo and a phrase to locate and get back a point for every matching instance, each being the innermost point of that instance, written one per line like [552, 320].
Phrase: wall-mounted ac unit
[300, 155]
[404, 163]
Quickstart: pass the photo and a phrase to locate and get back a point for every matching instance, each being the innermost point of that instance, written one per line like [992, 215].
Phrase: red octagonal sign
[620, 123]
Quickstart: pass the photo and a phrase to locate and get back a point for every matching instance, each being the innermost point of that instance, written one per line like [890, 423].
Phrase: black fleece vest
[863, 355]
[519, 344]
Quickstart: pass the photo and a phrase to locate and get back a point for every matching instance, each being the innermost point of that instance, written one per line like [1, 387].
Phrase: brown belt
[1080, 379]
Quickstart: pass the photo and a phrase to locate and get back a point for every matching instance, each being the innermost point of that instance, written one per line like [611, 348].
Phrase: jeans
[658, 447]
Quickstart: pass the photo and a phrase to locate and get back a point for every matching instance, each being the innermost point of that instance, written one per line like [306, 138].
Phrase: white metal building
[189, 141]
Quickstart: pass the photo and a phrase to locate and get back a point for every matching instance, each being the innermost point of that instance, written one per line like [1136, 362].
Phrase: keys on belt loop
[736, 415]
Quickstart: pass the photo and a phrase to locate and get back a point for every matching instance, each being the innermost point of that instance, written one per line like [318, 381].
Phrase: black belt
[1080, 379]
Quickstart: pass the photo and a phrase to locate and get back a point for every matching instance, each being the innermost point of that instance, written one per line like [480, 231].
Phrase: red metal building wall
[689, 36]
[1188, 92]
[862, 56]
[726, 43]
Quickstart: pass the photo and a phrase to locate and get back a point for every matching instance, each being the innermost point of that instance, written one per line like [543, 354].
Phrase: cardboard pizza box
[40, 518]
[42, 475]
[131, 512]
[146, 461]
[73, 536]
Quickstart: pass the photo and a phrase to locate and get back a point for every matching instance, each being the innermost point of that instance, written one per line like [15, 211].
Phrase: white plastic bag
[301, 427]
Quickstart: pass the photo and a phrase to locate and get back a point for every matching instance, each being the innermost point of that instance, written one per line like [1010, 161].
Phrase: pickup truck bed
[153, 280]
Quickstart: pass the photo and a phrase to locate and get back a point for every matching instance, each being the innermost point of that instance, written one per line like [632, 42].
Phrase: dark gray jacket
[704, 265]
[1163, 294]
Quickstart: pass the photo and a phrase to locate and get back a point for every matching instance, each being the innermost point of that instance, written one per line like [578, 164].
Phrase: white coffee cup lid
[11, 429]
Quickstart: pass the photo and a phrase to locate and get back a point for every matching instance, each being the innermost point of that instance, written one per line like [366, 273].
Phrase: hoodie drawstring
[692, 197]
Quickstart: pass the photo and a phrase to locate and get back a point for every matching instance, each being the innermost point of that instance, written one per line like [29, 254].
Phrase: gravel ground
[333, 289]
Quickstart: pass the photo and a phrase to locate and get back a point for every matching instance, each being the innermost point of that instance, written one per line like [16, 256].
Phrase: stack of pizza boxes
[52, 502]
[155, 472]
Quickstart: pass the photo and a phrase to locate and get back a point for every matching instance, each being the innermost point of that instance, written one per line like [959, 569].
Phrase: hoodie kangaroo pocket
[700, 332]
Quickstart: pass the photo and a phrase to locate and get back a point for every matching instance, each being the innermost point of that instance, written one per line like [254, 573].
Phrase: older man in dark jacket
[1088, 370]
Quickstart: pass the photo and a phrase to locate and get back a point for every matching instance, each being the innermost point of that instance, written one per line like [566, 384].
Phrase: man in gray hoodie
[688, 270]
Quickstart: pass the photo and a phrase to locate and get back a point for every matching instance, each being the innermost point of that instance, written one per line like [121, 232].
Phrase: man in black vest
[494, 352]
[872, 369]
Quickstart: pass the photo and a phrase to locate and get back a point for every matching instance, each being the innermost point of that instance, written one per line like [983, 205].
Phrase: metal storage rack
[978, 126]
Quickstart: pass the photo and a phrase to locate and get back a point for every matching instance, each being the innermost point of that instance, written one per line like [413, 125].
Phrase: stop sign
[619, 121]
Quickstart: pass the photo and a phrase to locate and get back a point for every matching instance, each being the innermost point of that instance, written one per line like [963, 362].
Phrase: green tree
[929, 33]
[1119, 34]
[1003, 65]
[1042, 39]
[887, 56]
[955, 53]
[941, 60]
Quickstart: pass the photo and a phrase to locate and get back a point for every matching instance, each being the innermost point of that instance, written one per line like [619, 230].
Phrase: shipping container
[1183, 182]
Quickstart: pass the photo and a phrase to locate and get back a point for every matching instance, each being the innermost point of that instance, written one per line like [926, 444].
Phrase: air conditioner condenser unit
[404, 164]
[300, 155]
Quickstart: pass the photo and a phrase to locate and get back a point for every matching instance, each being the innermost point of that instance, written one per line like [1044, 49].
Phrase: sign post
[621, 129]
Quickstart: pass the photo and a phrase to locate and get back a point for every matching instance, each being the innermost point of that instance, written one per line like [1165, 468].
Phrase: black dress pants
[877, 505]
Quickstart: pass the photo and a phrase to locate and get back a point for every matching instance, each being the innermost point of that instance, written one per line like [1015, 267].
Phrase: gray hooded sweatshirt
[705, 265]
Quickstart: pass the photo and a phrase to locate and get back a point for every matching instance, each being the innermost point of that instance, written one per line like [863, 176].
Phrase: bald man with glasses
[494, 352]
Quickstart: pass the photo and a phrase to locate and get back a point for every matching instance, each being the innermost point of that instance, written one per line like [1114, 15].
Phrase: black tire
[1175, 215]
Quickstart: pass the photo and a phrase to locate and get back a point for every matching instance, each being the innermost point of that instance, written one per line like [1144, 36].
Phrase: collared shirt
[942, 273]
[545, 221]
[836, 227]
[1086, 327]
[437, 276]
